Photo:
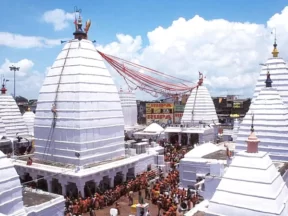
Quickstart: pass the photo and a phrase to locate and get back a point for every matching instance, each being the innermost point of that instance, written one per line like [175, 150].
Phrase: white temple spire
[250, 186]
[199, 106]
[89, 125]
[271, 119]
[275, 51]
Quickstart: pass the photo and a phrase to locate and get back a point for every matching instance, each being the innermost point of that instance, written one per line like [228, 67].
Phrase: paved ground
[125, 209]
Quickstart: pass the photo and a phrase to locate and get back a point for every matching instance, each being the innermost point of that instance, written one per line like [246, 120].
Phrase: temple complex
[271, 120]
[79, 126]
[251, 185]
[29, 118]
[199, 122]
[277, 67]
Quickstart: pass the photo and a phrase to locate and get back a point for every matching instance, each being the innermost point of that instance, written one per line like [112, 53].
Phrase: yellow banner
[160, 105]
[159, 108]
[161, 119]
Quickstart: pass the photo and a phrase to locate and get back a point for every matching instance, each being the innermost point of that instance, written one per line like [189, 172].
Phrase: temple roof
[129, 106]
[250, 186]
[11, 117]
[79, 118]
[271, 120]
[278, 69]
[10, 189]
[201, 103]
[154, 127]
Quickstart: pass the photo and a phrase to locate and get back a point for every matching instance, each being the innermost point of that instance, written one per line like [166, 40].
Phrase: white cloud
[228, 53]
[28, 81]
[25, 42]
[58, 18]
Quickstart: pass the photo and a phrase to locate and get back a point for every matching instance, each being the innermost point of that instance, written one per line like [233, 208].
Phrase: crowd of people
[161, 188]
[166, 194]
[80, 205]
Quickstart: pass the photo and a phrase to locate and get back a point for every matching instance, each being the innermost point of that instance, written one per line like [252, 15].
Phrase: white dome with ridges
[11, 202]
[29, 118]
[250, 186]
[129, 107]
[277, 67]
[271, 120]
[11, 116]
[89, 123]
[202, 106]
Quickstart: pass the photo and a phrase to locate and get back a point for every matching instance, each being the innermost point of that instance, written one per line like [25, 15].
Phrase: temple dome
[89, 122]
[129, 107]
[11, 200]
[29, 118]
[278, 69]
[11, 116]
[250, 186]
[204, 109]
[271, 120]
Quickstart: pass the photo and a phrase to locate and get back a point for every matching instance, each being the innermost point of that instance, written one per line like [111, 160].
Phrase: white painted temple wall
[271, 121]
[29, 118]
[189, 168]
[278, 69]
[250, 186]
[11, 117]
[89, 113]
[137, 164]
[203, 106]
[10, 189]
[2, 128]
[207, 136]
[129, 107]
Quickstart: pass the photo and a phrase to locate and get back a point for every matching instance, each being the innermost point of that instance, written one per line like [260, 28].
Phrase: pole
[14, 84]
[14, 69]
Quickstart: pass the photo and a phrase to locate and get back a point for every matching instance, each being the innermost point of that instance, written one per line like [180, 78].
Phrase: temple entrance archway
[173, 138]
[72, 190]
[26, 178]
[118, 179]
[41, 183]
[194, 138]
[90, 188]
[104, 183]
[56, 187]
[184, 139]
[130, 174]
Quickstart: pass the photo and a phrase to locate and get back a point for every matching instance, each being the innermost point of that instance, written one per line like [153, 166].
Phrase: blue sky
[112, 17]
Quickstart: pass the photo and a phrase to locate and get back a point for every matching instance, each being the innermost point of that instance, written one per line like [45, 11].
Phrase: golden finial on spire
[79, 33]
[275, 52]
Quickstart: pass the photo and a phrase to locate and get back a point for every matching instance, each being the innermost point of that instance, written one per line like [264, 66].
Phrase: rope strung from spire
[136, 79]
